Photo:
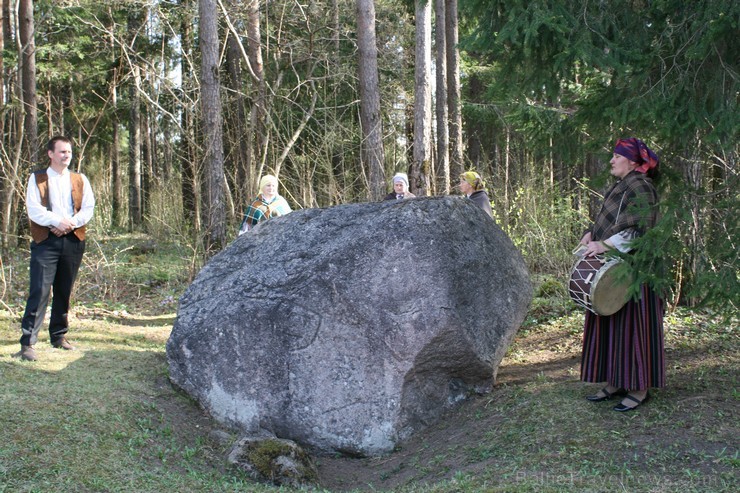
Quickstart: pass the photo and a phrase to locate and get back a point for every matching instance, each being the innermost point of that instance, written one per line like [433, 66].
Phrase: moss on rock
[274, 460]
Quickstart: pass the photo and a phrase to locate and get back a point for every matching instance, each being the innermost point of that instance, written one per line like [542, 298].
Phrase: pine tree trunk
[481, 146]
[147, 169]
[115, 176]
[258, 129]
[12, 144]
[115, 160]
[135, 214]
[7, 30]
[453, 91]
[3, 37]
[26, 33]
[422, 99]
[191, 202]
[442, 167]
[372, 151]
[212, 127]
[3, 187]
[235, 143]
[134, 152]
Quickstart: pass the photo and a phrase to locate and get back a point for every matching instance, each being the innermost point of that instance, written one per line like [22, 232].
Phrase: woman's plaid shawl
[260, 209]
[630, 203]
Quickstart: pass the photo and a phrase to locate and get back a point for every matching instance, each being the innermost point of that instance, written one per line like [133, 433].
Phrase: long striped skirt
[626, 349]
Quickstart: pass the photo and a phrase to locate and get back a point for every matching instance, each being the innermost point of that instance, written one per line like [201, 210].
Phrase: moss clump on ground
[280, 461]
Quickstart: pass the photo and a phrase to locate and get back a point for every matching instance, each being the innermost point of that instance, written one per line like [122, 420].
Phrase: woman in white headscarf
[266, 205]
[400, 188]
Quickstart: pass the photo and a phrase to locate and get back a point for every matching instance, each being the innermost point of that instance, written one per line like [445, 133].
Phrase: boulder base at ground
[347, 329]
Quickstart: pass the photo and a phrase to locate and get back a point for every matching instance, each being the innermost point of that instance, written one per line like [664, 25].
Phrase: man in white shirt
[59, 203]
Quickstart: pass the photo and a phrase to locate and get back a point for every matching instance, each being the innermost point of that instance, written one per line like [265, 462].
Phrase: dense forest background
[177, 107]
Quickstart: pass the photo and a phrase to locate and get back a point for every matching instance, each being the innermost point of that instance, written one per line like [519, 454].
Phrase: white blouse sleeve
[622, 241]
[37, 212]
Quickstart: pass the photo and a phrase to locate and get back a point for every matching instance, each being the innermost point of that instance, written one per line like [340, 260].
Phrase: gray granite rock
[347, 329]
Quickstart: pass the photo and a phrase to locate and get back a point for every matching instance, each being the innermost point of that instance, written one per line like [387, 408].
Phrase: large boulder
[347, 329]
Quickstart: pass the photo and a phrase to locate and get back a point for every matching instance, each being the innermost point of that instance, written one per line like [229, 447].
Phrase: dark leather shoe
[598, 398]
[622, 408]
[63, 343]
[26, 353]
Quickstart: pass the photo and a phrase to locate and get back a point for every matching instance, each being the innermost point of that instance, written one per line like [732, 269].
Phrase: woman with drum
[626, 349]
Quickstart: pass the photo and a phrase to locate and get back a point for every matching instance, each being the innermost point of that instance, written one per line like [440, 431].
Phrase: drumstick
[580, 250]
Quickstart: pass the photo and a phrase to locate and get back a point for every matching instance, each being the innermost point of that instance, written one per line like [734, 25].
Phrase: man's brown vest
[40, 233]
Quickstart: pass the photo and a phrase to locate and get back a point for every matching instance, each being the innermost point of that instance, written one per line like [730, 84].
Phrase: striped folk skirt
[626, 349]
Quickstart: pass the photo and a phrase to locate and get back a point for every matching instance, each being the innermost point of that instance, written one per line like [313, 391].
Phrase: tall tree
[135, 196]
[442, 168]
[212, 127]
[26, 35]
[422, 99]
[454, 100]
[3, 36]
[191, 198]
[148, 151]
[9, 179]
[115, 158]
[258, 129]
[238, 148]
[372, 151]
[3, 175]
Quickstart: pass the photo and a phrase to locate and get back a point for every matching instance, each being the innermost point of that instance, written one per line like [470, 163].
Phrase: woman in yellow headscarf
[473, 186]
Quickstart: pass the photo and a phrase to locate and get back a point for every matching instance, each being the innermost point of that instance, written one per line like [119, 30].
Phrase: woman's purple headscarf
[636, 150]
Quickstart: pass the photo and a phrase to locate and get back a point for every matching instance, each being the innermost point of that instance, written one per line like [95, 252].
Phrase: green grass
[105, 418]
[100, 418]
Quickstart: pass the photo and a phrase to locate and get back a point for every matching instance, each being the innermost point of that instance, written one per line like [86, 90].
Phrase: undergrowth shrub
[126, 267]
[545, 228]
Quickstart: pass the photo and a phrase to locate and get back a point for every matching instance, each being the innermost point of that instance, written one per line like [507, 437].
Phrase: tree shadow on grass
[558, 369]
[153, 321]
[131, 320]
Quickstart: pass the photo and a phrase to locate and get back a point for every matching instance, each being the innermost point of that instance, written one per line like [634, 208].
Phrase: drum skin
[594, 285]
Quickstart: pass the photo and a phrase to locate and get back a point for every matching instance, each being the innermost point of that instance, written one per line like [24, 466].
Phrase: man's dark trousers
[54, 263]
